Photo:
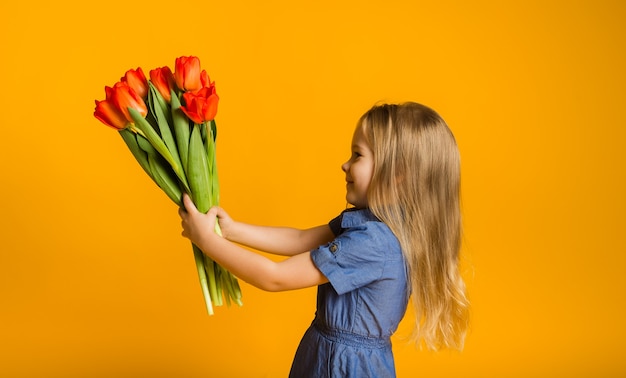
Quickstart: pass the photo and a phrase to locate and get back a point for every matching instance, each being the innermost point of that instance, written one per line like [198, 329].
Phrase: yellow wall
[95, 279]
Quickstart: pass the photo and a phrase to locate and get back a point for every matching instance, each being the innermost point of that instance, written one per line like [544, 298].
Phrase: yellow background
[96, 281]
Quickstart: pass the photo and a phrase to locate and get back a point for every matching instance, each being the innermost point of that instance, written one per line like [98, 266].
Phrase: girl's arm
[283, 241]
[296, 272]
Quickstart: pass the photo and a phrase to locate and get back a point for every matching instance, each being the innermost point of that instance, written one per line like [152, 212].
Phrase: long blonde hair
[415, 190]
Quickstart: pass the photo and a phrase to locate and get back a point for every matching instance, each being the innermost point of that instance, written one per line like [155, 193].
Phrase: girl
[401, 238]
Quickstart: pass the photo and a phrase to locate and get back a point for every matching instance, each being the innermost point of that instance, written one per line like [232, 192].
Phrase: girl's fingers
[189, 206]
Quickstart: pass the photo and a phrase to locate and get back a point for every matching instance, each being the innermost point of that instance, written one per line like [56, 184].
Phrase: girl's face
[359, 170]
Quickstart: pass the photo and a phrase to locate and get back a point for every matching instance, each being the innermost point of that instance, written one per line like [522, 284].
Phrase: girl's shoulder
[358, 227]
[351, 218]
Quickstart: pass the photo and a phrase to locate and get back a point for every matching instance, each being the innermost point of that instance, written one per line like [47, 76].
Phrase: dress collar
[355, 217]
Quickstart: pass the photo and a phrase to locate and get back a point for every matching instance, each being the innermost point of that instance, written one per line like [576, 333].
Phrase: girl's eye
[356, 155]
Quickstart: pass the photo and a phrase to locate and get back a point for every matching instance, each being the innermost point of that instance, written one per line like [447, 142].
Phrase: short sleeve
[335, 224]
[355, 258]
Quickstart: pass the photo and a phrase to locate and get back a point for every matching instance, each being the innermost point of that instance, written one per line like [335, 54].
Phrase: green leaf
[214, 181]
[165, 178]
[146, 129]
[140, 155]
[145, 145]
[155, 140]
[198, 172]
[153, 164]
[214, 130]
[156, 100]
[164, 128]
[215, 187]
[181, 126]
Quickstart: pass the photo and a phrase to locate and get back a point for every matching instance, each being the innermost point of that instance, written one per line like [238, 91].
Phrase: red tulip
[124, 97]
[163, 80]
[205, 80]
[201, 106]
[137, 80]
[110, 115]
[187, 73]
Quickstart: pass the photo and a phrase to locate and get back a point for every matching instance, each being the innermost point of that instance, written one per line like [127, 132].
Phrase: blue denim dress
[361, 306]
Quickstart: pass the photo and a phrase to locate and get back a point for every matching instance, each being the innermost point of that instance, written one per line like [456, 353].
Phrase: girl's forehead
[359, 138]
[358, 135]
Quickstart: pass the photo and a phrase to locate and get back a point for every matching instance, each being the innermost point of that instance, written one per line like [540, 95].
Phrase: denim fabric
[361, 306]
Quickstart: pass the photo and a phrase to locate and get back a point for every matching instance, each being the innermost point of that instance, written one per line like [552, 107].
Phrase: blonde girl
[399, 240]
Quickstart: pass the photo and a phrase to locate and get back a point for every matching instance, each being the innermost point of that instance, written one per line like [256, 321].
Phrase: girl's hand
[296, 272]
[227, 224]
[197, 226]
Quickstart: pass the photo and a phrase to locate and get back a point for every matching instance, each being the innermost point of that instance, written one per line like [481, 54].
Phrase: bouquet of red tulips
[168, 124]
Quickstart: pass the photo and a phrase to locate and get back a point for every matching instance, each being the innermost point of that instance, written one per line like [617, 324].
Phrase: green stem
[226, 284]
[236, 289]
[155, 140]
[218, 284]
[202, 275]
[210, 272]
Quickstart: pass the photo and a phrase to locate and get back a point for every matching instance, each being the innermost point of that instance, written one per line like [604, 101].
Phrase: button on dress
[360, 307]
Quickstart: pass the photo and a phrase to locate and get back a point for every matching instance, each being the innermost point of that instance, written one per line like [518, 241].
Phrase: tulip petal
[110, 115]
[124, 97]
[209, 109]
[137, 81]
[163, 79]
[187, 73]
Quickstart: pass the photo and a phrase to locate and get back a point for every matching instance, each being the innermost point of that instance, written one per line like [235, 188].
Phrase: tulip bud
[124, 97]
[110, 115]
[163, 80]
[205, 80]
[201, 106]
[137, 80]
[187, 73]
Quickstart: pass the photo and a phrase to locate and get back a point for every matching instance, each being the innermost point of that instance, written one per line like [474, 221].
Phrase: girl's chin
[355, 204]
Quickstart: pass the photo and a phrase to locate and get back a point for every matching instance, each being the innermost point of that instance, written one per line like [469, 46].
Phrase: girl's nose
[344, 166]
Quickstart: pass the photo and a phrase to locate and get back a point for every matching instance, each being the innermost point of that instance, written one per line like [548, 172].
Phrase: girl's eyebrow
[361, 146]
